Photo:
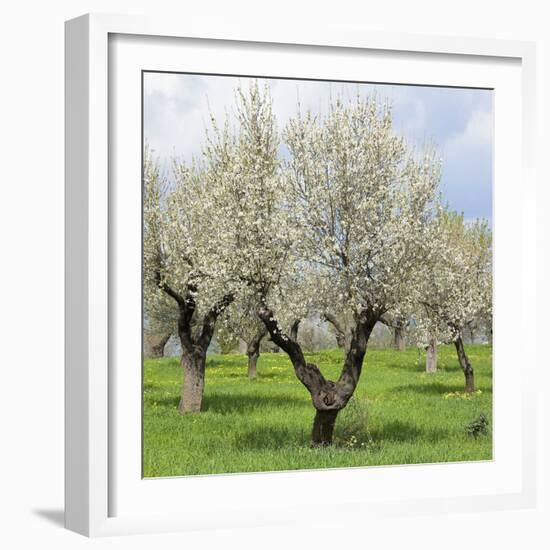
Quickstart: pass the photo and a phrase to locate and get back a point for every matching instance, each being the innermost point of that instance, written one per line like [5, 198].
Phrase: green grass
[399, 415]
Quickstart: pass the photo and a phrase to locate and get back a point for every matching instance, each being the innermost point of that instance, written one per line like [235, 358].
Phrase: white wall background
[31, 256]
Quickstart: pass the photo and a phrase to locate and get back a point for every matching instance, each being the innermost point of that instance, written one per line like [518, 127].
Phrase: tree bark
[465, 365]
[399, 338]
[193, 345]
[431, 355]
[157, 344]
[328, 397]
[323, 428]
[193, 382]
[253, 352]
[253, 365]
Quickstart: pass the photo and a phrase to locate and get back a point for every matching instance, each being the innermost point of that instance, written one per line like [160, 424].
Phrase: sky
[458, 122]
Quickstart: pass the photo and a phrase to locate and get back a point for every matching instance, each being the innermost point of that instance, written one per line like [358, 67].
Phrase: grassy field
[399, 415]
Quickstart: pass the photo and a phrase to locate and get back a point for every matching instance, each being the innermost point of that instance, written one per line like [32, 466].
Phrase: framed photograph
[290, 268]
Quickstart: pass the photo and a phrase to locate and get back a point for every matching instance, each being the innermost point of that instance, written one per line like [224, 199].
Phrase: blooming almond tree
[221, 233]
[181, 262]
[357, 203]
[458, 289]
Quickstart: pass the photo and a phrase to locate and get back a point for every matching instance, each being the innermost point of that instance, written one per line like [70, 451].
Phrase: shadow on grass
[404, 431]
[433, 388]
[272, 437]
[264, 374]
[225, 403]
[421, 367]
[279, 437]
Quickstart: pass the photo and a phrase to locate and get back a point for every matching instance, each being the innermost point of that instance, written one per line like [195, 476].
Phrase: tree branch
[353, 363]
[168, 289]
[308, 374]
[334, 322]
[209, 321]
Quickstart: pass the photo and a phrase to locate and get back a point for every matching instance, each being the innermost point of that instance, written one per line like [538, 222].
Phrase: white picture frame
[99, 499]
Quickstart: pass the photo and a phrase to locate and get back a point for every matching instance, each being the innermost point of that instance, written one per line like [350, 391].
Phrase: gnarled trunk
[466, 365]
[194, 343]
[431, 355]
[192, 391]
[399, 338]
[157, 343]
[328, 397]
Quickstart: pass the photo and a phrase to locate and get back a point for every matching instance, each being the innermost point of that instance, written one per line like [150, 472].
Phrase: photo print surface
[317, 274]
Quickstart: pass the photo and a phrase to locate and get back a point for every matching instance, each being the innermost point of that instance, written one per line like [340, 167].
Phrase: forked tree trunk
[328, 397]
[465, 365]
[431, 355]
[399, 338]
[194, 343]
[157, 345]
[193, 382]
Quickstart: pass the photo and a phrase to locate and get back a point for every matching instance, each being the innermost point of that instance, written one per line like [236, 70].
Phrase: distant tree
[398, 325]
[241, 321]
[458, 289]
[160, 323]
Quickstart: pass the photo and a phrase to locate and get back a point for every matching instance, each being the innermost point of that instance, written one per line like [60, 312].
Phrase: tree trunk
[193, 357]
[328, 397]
[193, 382]
[253, 351]
[431, 355]
[252, 365]
[157, 345]
[399, 338]
[466, 366]
[323, 427]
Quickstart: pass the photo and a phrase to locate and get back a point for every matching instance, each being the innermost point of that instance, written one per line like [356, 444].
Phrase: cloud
[177, 109]
[478, 133]
[468, 166]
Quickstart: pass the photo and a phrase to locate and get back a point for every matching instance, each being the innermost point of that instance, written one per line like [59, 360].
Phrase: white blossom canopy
[458, 287]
